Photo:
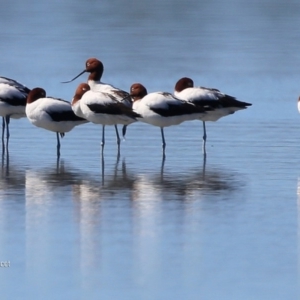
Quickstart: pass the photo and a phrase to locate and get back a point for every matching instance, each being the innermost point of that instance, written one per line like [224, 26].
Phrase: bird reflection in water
[164, 160]
[118, 178]
[114, 181]
[103, 166]
[12, 177]
[131, 184]
[5, 162]
[184, 183]
[52, 179]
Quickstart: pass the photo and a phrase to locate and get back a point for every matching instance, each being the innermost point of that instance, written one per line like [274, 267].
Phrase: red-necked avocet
[50, 113]
[218, 104]
[96, 68]
[101, 108]
[13, 97]
[162, 109]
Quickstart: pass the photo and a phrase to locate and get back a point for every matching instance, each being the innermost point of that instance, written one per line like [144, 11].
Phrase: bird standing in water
[217, 104]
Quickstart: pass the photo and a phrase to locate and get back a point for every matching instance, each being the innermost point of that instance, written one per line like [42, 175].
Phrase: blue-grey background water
[224, 228]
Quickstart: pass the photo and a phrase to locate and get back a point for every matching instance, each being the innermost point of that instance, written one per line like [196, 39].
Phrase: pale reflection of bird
[298, 104]
[217, 103]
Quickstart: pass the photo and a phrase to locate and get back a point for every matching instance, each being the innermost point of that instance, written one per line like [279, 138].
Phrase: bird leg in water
[163, 140]
[7, 119]
[58, 145]
[3, 130]
[118, 139]
[204, 139]
[103, 137]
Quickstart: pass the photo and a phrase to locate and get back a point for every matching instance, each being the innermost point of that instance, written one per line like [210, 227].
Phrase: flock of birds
[104, 104]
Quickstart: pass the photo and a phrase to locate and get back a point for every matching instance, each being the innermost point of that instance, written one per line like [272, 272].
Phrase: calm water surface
[137, 227]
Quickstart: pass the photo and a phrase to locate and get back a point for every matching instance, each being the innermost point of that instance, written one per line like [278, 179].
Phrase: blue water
[138, 227]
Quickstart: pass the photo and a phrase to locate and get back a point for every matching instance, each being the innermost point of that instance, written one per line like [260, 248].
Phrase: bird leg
[103, 137]
[162, 166]
[163, 140]
[58, 145]
[3, 130]
[7, 119]
[204, 139]
[118, 139]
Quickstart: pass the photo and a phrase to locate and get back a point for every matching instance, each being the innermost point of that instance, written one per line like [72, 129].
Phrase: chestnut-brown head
[137, 91]
[36, 94]
[94, 64]
[183, 84]
[80, 91]
[94, 67]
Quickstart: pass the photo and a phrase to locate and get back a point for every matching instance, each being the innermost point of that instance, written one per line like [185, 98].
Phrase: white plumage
[50, 113]
[216, 103]
[95, 68]
[12, 103]
[162, 109]
[101, 108]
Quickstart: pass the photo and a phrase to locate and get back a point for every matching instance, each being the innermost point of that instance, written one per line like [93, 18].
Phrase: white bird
[216, 103]
[101, 108]
[162, 109]
[50, 113]
[12, 103]
[95, 68]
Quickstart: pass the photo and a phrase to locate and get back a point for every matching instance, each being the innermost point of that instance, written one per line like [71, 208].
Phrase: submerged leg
[162, 166]
[118, 139]
[58, 145]
[163, 140]
[3, 130]
[7, 119]
[102, 167]
[204, 139]
[204, 166]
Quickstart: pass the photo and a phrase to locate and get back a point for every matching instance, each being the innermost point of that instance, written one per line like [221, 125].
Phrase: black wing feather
[21, 88]
[178, 110]
[12, 101]
[113, 109]
[60, 116]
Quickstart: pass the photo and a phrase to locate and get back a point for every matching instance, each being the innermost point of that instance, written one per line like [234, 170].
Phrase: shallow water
[138, 227]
